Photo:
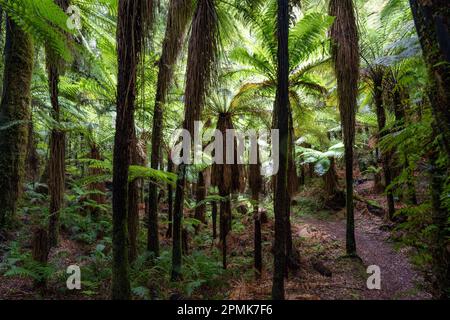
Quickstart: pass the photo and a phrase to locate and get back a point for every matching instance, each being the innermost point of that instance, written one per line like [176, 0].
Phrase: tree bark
[331, 180]
[133, 205]
[39, 252]
[432, 20]
[204, 36]
[14, 113]
[281, 110]
[169, 200]
[345, 52]
[440, 248]
[257, 236]
[200, 196]
[180, 12]
[130, 28]
[225, 218]
[385, 157]
[177, 224]
[214, 219]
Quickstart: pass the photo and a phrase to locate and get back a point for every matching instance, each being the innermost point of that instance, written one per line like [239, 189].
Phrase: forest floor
[320, 237]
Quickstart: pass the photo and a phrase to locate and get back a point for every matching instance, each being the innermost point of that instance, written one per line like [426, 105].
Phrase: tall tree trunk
[433, 27]
[177, 250]
[432, 20]
[345, 52]
[281, 205]
[255, 183]
[292, 258]
[200, 197]
[257, 236]
[134, 16]
[180, 12]
[32, 161]
[133, 205]
[14, 113]
[56, 181]
[214, 219]
[169, 200]
[440, 247]
[225, 212]
[385, 157]
[202, 54]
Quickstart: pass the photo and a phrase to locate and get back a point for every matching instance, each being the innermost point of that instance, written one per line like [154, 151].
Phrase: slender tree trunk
[433, 27]
[200, 196]
[258, 236]
[15, 112]
[385, 157]
[345, 51]
[432, 20]
[133, 17]
[440, 249]
[56, 158]
[180, 12]
[56, 182]
[214, 219]
[204, 36]
[133, 205]
[281, 206]
[177, 224]
[32, 161]
[169, 200]
[255, 183]
[225, 218]
[292, 261]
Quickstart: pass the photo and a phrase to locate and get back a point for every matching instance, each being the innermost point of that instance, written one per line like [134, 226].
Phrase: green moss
[14, 114]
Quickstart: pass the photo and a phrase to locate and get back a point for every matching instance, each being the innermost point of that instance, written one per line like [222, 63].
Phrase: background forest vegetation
[92, 91]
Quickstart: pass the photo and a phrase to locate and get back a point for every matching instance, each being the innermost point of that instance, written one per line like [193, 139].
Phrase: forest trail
[319, 236]
[399, 279]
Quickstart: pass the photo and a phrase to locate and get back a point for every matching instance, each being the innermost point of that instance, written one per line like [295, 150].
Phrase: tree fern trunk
[200, 194]
[202, 55]
[56, 182]
[385, 157]
[440, 251]
[282, 111]
[432, 20]
[180, 12]
[132, 18]
[14, 113]
[169, 200]
[133, 205]
[177, 224]
[214, 219]
[345, 52]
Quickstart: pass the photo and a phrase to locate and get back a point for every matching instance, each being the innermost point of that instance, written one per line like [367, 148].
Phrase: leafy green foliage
[321, 159]
[18, 263]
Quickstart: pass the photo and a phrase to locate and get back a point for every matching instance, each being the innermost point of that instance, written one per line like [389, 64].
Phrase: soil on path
[320, 236]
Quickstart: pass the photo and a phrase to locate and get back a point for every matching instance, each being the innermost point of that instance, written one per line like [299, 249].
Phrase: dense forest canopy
[94, 92]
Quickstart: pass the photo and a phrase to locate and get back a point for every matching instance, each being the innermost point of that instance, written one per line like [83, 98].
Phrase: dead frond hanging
[345, 52]
[202, 58]
[227, 177]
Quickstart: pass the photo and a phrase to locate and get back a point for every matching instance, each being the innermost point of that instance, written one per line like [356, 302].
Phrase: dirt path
[399, 280]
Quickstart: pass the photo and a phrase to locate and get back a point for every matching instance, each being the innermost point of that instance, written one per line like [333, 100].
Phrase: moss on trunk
[14, 114]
